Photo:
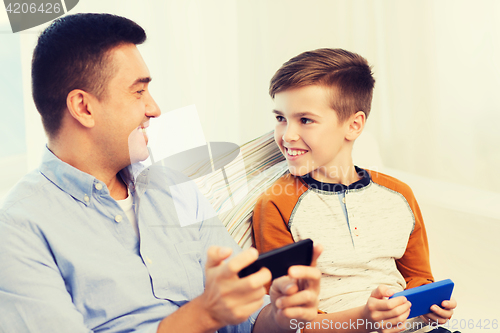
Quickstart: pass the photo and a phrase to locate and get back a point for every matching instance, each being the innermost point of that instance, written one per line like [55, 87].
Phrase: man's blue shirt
[70, 261]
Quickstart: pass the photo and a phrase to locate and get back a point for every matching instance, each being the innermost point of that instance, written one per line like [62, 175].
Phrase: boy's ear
[356, 124]
[80, 106]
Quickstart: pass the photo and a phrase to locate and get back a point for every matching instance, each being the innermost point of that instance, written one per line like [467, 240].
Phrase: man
[86, 247]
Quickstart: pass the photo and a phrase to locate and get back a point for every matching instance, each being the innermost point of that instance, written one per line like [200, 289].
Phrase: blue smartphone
[423, 297]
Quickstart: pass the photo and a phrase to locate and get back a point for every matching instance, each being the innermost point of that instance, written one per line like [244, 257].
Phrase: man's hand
[295, 296]
[387, 312]
[229, 300]
[440, 314]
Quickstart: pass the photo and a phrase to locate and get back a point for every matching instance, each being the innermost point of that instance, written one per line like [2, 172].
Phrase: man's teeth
[296, 152]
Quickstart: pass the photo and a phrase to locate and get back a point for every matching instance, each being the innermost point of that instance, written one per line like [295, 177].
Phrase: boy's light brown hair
[347, 74]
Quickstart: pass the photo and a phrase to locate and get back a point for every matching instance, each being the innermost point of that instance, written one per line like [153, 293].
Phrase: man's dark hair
[347, 74]
[72, 53]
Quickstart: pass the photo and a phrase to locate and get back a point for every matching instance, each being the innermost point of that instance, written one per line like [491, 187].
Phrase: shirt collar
[78, 184]
[330, 187]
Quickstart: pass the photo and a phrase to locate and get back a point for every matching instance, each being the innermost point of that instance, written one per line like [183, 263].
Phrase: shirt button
[86, 198]
[343, 199]
[148, 260]
[98, 186]
[118, 218]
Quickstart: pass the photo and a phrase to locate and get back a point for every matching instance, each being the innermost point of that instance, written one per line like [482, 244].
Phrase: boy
[369, 223]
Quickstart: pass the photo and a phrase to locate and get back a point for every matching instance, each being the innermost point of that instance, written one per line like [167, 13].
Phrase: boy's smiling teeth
[294, 152]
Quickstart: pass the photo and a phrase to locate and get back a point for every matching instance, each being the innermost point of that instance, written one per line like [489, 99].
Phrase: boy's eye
[140, 92]
[306, 120]
[280, 118]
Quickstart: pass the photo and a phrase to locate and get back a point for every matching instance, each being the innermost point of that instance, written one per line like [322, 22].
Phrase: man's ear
[356, 124]
[80, 105]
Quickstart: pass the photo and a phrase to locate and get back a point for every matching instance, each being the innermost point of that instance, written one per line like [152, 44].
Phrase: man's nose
[152, 109]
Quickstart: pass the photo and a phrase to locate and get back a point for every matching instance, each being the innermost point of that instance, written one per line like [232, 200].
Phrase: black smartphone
[278, 261]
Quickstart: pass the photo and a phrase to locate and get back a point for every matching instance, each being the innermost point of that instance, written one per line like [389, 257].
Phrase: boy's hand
[440, 314]
[229, 300]
[388, 313]
[295, 296]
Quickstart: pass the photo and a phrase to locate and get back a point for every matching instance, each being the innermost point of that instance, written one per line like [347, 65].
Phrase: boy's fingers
[394, 321]
[396, 305]
[433, 318]
[377, 292]
[216, 254]
[440, 312]
[450, 305]
[395, 328]
[382, 291]
[397, 301]
[240, 261]
[402, 311]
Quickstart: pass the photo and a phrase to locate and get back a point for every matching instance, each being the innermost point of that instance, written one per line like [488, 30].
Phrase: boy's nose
[290, 134]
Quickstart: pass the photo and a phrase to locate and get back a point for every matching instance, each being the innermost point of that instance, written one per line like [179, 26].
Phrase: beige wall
[436, 63]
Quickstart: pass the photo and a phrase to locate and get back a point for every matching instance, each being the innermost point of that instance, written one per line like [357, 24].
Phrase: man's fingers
[284, 285]
[307, 277]
[301, 298]
[240, 261]
[216, 254]
[256, 280]
[299, 312]
[304, 272]
[242, 312]
[318, 249]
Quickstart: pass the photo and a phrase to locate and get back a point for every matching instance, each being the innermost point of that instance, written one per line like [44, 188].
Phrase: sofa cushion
[233, 190]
